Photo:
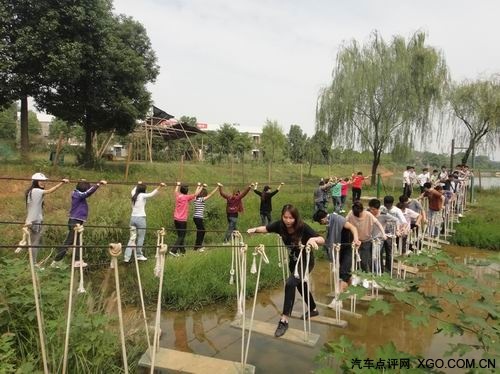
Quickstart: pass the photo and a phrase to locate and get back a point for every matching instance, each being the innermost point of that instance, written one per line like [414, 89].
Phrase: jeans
[70, 240]
[387, 248]
[180, 228]
[365, 252]
[337, 203]
[356, 194]
[35, 229]
[265, 218]
[137, 234]
[200, 232]
[293, 283]
[231, 226]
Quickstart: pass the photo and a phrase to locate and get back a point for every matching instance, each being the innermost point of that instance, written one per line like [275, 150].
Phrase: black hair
[403, 199]
[298, 225]
[388, 200]
[319, 215]
[184, 189]
[357, 208]
[427, 185]
[82, 186]
[34, 184]
[140, 188]
[203, 192]
[264, 195]
[374, 203]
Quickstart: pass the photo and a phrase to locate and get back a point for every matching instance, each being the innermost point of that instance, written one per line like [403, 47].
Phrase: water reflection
[209, 333]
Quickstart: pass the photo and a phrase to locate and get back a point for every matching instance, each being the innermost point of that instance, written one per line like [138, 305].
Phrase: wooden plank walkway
[292, 335]
[185, 362]
[322, 319]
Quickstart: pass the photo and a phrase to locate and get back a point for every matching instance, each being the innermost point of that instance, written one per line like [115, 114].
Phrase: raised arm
[211, 193]
[56, 187]
[245, 191]
[198, 190]
[222, 193]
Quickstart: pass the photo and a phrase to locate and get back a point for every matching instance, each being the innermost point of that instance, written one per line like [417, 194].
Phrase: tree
[225, 139]
[273, 141]
[34, 126]
[8, 119]
[58, 126]
[382, 92]
[296, 143]
[27, 39]
[477, 106]
[101, 79]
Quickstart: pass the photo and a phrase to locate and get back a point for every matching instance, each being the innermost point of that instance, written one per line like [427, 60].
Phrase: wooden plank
[370, 297]
[291, 335]
[342, 311]
[431, 244]
[185, 362]
[324, 320]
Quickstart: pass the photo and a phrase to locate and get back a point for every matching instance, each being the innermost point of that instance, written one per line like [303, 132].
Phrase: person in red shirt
[233, 207]
[357, 183]
[181, 212]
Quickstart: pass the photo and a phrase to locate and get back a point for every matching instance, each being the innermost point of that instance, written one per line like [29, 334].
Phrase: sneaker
[141, 258]
[334, 304]
[281, 329]
[314, 313]
[126, 260]
[202, 249]
[56, 264]
[226, 243]
[82, 264]
[175, 254]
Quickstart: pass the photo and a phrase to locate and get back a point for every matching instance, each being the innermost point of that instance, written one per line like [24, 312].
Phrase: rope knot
[115, 249]
[163, 249]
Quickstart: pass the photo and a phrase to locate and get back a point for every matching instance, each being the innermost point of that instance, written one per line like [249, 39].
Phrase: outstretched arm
[211, 193]
[257, 230]
[198, 190]
[224, 195]
[56, 187]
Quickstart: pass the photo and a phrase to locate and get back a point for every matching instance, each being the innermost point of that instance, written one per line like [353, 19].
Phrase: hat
[39, 177]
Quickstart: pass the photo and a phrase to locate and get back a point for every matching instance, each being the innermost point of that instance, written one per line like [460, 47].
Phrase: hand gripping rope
[77, 238]
[162, 251]
[356, 259]
[304, 277]
[115, 250]
[258, 251]
[335, 279]
[26, 240]
[282, 259]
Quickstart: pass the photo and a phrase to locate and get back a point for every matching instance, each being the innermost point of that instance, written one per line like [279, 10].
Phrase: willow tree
[382, 94]
[477, 106]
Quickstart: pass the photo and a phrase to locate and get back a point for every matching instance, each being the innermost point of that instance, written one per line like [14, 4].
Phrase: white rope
[305, 280]
[156, 339]
[115, 250]
[260, 250]
[77, 230]
[335, 266]
[34, 279]
[354, 278]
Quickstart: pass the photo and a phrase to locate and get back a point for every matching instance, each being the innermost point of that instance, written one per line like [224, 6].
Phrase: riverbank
[479, 226]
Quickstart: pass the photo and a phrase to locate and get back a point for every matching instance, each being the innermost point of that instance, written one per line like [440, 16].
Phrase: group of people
[79, 211]
[337, 189]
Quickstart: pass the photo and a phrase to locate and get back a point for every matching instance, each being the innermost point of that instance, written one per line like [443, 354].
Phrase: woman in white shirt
[138, 220]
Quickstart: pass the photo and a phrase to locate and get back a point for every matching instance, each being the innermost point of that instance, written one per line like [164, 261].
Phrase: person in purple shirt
[78, 214]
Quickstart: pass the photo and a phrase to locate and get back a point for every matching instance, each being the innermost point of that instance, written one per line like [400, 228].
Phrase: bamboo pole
[129, 153]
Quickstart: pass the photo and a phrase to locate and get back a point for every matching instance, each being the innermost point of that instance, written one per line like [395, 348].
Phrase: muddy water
[209, 332]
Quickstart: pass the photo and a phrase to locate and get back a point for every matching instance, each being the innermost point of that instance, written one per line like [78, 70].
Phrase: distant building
[255, 151]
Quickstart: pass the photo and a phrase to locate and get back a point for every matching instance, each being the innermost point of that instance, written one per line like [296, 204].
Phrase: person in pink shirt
[343, 193]
[181, 213]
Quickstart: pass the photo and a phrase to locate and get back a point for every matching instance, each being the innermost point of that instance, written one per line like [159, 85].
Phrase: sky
[246, 61]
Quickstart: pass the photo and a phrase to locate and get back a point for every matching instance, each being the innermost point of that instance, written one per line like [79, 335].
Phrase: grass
[479, 227]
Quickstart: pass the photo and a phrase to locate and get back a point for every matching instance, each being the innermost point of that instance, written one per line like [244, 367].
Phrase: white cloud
[244, 61]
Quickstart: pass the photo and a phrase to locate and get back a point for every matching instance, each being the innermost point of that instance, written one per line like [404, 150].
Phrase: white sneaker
[366, 283]
[202, 249]
[82, 264]
[226, 243]
[141, 258]
[355, 280]
[334, 304]
[174, 254]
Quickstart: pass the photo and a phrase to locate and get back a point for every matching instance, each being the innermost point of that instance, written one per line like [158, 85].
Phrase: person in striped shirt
[198, 216]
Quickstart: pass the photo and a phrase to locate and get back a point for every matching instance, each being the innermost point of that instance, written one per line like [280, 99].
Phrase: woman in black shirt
[293, 232]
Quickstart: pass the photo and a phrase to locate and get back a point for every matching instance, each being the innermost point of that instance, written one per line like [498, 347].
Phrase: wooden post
[129, 154]
[182, 168]
[151, 146]
[58, 149]
[301, 177]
